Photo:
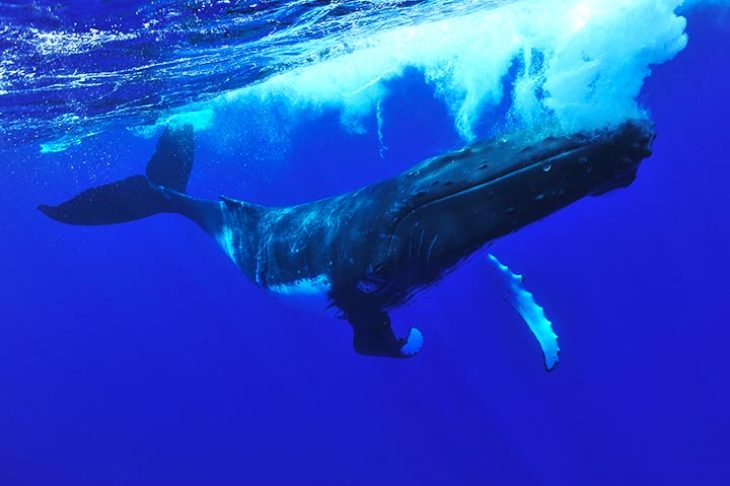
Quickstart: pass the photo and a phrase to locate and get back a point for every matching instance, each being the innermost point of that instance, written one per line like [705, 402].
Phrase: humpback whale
[370, 250]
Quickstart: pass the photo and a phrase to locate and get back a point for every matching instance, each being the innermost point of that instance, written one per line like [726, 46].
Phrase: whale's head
[458, 202]
[594, 161]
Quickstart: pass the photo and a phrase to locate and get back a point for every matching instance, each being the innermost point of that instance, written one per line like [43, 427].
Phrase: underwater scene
[364, 242]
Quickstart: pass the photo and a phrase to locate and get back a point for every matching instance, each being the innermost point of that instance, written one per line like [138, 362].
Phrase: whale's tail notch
[161, 190]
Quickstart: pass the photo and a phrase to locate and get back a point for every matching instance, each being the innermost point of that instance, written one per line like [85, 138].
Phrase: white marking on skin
[305, 286]
[226, 238]
[226, 241]
[367, 287]
[309, 293]
[430, 250]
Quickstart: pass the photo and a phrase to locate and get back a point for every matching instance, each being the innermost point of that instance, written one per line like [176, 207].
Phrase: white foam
[583, 63]
[67, 42]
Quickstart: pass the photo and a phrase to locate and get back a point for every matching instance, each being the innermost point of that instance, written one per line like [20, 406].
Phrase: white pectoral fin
[413, 343]
[524, 303]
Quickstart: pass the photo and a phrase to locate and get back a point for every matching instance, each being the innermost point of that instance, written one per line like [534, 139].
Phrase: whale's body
[367, 251]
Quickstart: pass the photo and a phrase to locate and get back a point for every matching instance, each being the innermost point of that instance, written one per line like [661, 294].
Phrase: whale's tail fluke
[172, 162]
[161, 190]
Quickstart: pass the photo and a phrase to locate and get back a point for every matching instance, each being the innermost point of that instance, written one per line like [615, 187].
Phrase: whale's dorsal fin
[232, 203]
[513, 290]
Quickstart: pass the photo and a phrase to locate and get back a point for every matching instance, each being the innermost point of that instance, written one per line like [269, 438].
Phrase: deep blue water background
[138, 354]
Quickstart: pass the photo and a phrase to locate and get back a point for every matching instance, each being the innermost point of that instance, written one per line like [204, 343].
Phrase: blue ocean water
[138, 354]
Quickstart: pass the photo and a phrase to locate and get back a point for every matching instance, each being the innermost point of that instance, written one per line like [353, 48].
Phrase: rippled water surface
[75, 69]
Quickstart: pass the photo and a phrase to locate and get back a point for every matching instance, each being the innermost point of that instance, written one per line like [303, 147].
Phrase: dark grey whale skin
[376, 246]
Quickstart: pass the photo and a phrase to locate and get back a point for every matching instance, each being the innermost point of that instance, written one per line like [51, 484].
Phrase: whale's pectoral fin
[513, 290]
[374, 336]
